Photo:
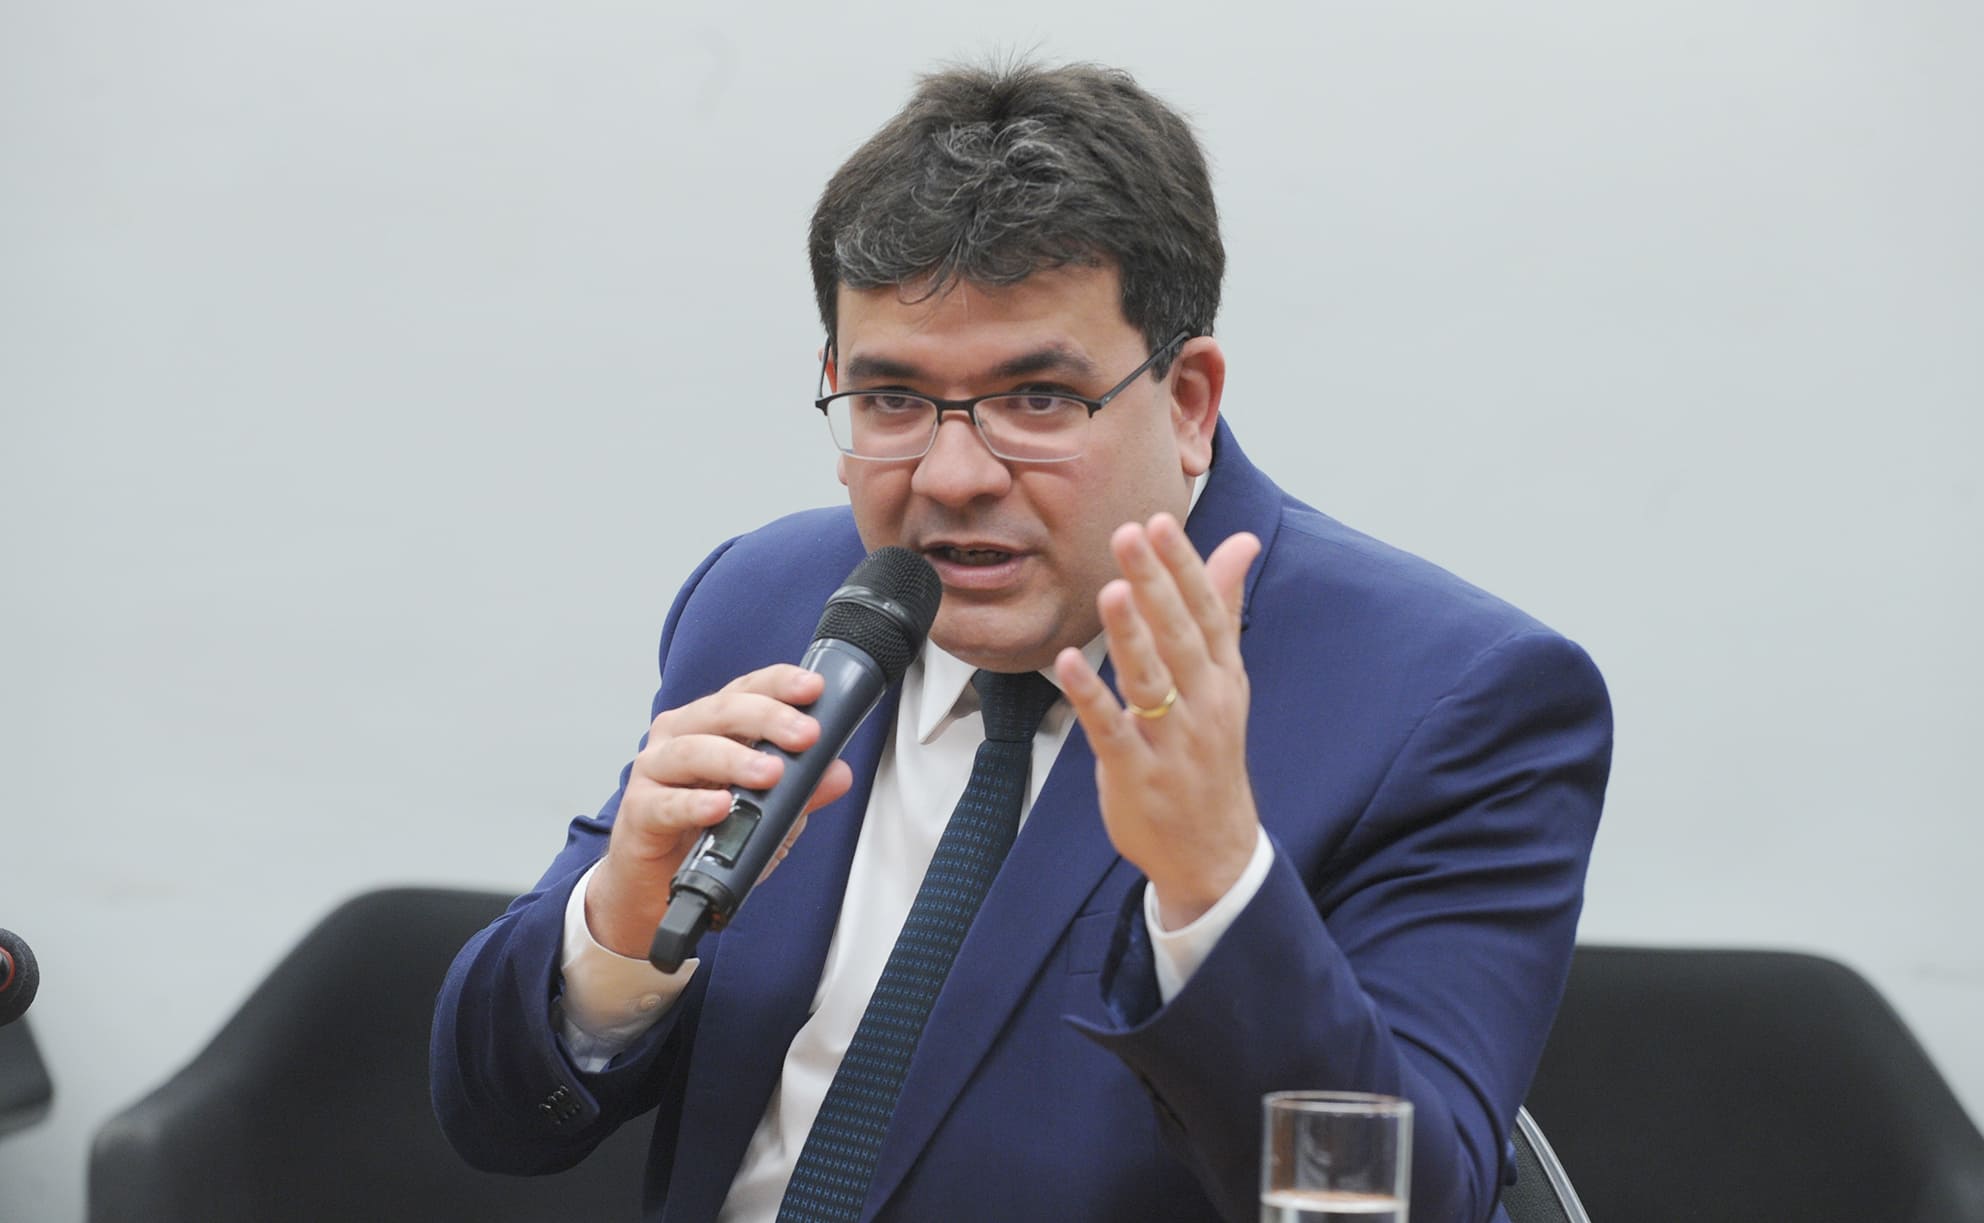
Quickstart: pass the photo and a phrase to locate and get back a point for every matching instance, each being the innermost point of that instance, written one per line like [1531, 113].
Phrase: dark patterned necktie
[831, 1178]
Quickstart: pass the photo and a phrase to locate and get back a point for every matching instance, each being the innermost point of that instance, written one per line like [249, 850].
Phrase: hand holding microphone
[752, 760]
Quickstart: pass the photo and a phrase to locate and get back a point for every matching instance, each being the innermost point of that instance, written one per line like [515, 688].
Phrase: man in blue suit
[1307, 813]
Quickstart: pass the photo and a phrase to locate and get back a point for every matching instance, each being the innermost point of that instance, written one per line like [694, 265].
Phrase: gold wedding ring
[1156, 711]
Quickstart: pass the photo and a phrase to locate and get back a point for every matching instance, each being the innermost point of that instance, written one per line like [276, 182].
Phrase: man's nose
[959, 468]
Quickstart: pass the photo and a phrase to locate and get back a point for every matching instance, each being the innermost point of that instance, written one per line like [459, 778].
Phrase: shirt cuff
[1177, 954]
[609, 999]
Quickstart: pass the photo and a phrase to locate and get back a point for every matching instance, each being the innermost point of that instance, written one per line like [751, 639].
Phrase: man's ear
[1198, 378]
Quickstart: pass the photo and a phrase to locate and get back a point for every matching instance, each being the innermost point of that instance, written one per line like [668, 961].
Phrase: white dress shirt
[609, 999]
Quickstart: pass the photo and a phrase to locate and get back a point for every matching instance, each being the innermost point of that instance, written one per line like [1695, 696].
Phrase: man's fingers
[741, 715]
[1178, 639]
[1226, 568]
[655, 824]
[707, 760]
[1108, 730]
[1210, 589]
[837, 781]
[786, 683]
[1141, 674]
[1226, 577]
[784, 680]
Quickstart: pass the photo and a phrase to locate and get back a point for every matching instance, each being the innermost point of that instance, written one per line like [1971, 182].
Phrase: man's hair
[990, 174]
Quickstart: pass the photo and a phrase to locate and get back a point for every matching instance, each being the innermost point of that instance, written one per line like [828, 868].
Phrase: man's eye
[1038, 403]
[890, 402]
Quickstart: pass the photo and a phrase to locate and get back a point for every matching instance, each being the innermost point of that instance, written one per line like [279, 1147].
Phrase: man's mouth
[971, 556]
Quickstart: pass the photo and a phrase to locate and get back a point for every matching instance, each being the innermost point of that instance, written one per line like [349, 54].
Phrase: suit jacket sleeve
[506, 1093]
[1423, 955]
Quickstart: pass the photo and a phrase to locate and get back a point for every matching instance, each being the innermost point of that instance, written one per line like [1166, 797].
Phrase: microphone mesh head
[885, 608]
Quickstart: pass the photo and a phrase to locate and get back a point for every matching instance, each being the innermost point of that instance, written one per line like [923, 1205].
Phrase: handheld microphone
[871, 629]
[19, 977]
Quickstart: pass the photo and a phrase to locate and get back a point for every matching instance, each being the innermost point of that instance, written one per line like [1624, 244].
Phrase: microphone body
[872, 627]
[731, 856]
[19, 977]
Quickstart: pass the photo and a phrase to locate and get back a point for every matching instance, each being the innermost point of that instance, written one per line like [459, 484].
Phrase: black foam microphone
[19, 977]
[872, 627]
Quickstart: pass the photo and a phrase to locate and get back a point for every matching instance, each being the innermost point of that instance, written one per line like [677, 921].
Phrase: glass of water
[1335, 1155]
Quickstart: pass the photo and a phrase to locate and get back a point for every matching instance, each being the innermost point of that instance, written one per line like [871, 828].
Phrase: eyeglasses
[1021, 426]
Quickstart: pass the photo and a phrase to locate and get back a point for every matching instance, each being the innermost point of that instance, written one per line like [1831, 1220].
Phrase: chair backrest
[1720, 1085]
[312, 1102]
[1542, 1190]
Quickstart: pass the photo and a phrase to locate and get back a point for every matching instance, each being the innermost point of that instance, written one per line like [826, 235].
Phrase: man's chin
[993, 642]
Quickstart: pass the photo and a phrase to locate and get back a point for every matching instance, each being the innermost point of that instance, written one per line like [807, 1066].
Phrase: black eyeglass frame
[970, 406]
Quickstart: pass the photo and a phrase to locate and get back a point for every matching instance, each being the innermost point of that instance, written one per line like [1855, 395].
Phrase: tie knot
[1013, 703]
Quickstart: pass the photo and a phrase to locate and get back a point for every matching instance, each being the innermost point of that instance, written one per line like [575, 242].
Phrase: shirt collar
[943, 693]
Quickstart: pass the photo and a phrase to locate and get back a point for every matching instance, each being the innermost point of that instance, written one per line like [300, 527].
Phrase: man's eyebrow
[867, 368]
[1054, 358]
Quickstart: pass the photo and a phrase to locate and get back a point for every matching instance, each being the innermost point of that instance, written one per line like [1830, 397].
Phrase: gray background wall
[370, 375]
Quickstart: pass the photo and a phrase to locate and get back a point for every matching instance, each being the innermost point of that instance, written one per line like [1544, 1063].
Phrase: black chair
[1542, 1191]
[1745, 1086]
[312, 1102]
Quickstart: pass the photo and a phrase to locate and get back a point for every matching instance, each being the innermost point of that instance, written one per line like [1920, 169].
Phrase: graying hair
[989, 175]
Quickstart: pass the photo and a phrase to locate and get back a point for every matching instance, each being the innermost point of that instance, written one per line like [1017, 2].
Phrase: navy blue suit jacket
[1430, 764]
